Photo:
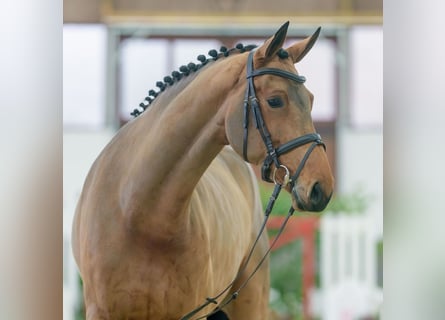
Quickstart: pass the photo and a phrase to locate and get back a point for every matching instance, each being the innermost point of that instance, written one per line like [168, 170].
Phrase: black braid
[283, 54]
[186, 70]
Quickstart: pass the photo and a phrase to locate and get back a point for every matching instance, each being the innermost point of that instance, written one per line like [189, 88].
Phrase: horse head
[269, 121]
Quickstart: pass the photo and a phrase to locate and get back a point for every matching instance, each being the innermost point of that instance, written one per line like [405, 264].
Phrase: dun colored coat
[169, 209]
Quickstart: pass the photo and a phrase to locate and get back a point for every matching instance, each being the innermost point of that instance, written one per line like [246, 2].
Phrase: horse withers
[170, 209]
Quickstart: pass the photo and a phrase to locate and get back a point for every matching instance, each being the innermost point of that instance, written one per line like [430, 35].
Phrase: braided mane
[186, 70]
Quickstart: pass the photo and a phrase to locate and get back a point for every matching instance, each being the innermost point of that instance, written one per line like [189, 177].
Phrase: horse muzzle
[315, 199]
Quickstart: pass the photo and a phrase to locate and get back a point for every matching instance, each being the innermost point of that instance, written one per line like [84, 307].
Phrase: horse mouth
[296, 202]
[316, 201]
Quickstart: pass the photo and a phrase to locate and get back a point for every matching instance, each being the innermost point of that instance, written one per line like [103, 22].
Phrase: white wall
[79, 151]
[360, 167]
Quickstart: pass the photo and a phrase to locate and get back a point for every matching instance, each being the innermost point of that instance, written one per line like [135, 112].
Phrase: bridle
[272, 157]
[273, 153]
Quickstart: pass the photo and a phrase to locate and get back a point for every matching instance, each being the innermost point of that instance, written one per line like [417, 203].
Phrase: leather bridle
[273, 154]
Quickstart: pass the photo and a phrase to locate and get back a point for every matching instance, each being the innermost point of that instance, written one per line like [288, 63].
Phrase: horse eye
[275, 102]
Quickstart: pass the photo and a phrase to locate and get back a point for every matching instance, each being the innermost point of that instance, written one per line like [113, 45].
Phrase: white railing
[348, 259]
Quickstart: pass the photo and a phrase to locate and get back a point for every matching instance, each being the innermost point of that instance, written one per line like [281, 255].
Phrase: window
[319, 68]
[84, 61]
[366, 76]
[143, 62]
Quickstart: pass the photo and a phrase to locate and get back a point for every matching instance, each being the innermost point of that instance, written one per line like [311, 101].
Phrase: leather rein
[250, 100]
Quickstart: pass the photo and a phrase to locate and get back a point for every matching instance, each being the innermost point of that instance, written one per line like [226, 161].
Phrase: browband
[277, 72]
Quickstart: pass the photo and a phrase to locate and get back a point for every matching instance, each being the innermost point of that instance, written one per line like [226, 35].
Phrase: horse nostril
[316, 195]
[317, 200]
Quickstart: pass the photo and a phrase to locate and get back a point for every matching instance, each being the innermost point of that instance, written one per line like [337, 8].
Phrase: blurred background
[328, 266]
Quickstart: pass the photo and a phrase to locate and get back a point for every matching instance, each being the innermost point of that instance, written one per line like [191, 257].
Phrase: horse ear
[300, 49]
[274, 43]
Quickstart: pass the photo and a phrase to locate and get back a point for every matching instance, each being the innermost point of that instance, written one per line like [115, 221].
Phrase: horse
[169, 214]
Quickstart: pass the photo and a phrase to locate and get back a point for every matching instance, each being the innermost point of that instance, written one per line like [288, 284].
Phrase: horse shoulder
[224, 207]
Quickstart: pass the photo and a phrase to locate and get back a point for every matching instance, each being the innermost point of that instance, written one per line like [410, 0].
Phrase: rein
[273, 154]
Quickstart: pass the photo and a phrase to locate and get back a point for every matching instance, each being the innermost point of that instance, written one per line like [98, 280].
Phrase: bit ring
[286, 178]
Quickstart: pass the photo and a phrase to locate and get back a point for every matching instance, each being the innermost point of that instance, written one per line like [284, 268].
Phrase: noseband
[273, 154]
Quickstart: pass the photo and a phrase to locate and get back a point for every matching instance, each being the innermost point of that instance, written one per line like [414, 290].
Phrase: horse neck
[181, 138]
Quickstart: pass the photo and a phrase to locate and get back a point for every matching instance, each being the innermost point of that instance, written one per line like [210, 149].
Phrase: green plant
[80, 311]
[285, 280]
[285, 263]
[348, 203]
[282, 204]
[352, 203]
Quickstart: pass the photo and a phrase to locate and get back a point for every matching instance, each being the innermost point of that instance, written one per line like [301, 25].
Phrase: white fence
[348, 259]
